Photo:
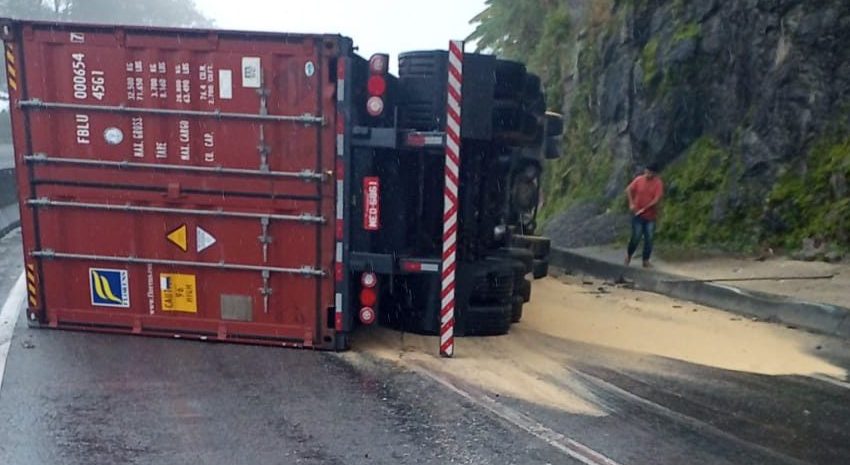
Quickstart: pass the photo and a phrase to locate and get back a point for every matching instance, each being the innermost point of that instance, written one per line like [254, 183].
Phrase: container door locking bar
[37, 104]
[307, 271]
[306, 175]
[265, 217]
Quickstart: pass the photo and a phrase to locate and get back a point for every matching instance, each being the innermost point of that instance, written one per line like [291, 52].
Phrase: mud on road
[645, 379]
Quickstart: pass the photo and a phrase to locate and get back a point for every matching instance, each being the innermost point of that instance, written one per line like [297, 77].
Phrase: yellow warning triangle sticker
[178, 238]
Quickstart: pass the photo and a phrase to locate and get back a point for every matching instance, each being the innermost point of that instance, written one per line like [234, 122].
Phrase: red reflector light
[367, 315]
[416, 140]
[379, 63]
[411, 267]
[419, 139]
[377, 85]
[368, 297]
[369, 279]
[375, 106]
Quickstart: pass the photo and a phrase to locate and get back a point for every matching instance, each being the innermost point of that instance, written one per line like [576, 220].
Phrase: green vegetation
[694, 183]
[686, 32]
[809, 201]
[582, 171]
[550, 58]
[649, 61]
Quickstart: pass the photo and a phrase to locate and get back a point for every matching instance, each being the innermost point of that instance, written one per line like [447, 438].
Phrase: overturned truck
[268, 188]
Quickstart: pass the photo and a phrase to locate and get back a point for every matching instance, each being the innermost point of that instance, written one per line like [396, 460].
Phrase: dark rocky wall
[745, 102]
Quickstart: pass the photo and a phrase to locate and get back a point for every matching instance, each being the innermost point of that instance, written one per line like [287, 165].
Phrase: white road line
[562, 443]
[8, 317]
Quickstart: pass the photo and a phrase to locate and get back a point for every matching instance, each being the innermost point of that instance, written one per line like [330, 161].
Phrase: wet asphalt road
[663, 411]
[99, 399]
[76, 398]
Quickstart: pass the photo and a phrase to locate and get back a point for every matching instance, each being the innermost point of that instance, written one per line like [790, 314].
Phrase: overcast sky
[389, 26]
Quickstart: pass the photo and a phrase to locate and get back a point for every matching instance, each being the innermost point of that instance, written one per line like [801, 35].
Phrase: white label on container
[225, 84]
[203, 239]
[251, 72]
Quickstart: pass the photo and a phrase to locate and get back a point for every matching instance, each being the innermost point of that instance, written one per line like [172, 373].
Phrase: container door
[181, 182]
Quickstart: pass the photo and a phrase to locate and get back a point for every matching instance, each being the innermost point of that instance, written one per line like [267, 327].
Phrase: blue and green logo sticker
[109, 288]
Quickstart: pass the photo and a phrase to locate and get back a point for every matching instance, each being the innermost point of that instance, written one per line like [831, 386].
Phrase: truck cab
[397, 179]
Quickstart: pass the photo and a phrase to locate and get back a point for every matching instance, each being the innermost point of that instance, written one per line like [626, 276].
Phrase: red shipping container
[179, 182]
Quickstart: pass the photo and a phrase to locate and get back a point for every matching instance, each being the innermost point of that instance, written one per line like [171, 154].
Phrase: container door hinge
[264, 98]
[264, 151]
[265, 291]
[265, 239]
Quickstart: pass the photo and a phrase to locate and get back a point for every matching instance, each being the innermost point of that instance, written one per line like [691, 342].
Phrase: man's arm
[630, 193]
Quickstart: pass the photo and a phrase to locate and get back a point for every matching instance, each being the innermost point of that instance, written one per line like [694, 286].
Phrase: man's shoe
[646, 264]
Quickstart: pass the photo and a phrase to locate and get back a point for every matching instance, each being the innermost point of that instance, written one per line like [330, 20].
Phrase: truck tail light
[367, 315]
[379, 63]
[411, 267]
[368, 297]
[375, 106]
[376, 85]
[369, 280]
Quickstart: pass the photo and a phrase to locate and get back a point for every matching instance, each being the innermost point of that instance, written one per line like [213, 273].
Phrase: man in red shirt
[644, 193]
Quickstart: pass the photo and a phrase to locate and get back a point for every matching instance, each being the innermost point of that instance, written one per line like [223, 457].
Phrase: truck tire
[534, 100]
[516, 309]
[539, 246]
[508, 119]
[516, 253]
[524, 290]
[540, 269]
[493, 282]
[510, 80]
[489, 320]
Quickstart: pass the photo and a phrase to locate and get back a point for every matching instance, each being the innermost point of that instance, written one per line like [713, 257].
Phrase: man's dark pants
[645, 229]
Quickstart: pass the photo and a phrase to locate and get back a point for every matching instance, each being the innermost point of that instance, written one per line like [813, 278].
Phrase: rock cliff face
[746, 103]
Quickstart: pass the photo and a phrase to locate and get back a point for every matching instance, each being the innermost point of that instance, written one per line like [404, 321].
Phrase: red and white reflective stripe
[340, 80]
[338, 313]
[450, 200]
[339, 264]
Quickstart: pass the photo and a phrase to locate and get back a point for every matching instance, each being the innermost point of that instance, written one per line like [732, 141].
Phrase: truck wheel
[510, 80]
[534, 100]
[493, 282]
[523, 290]
[508, 119]
[540, 269]
[491, 320]
[538, 245]
[523, 255]
[516, 309]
